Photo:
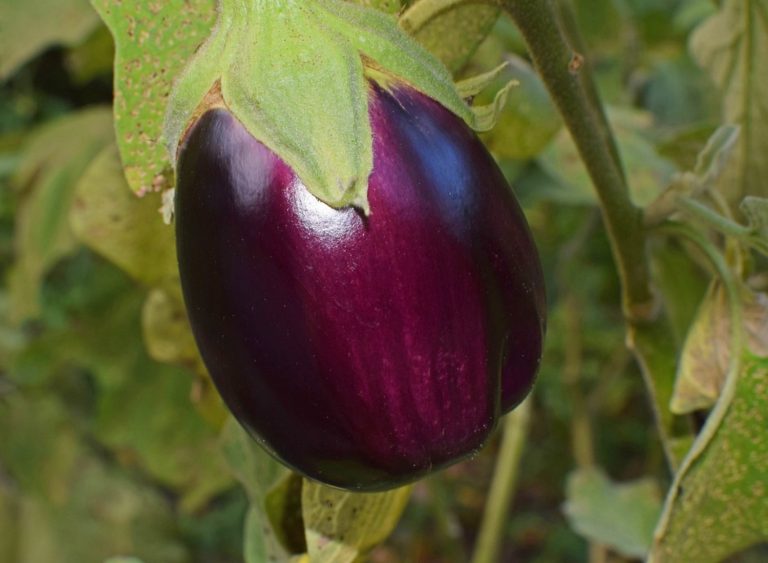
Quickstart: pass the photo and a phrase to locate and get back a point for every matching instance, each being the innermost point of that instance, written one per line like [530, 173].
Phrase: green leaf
[71, 505]
[153, 41]
[387, 6]
[28, 27]
[342, 526]
[756, 211]
[127, 230]
[283, 507]
[9, 515]
[681, 283]
[452, 34]
[719, 506]
[646, 170]
[167, 333]
[529, 120]
[53, 161]
[146, 416]
[259, 473]
[621, 516]
[731, 46]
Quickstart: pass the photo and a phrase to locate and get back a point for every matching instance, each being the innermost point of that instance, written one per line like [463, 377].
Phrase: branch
[555, 47]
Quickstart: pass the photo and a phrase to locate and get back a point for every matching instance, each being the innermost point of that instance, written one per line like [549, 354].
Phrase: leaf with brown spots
[153, 42]
[342, 526]
[721, 504]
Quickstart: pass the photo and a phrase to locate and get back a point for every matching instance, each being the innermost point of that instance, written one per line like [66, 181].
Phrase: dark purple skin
[362, 352]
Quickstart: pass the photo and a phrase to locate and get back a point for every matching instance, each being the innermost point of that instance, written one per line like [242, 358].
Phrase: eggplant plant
[345, 308]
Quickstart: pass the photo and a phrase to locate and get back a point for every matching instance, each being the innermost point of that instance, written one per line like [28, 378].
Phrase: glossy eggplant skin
[364, 352]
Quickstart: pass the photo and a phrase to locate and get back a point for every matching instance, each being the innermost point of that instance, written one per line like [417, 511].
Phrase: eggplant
[362, 350]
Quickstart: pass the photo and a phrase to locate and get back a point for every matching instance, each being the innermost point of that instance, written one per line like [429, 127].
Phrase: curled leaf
[706, 355]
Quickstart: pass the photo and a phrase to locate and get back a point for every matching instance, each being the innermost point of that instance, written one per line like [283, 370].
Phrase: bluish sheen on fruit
[364, 352]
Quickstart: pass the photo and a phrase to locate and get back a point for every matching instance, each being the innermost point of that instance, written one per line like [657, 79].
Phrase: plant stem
[503, 485]
[554, 46]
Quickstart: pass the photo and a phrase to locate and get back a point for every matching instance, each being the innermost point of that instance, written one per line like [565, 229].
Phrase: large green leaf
[731, 45]
[621, 516]
[153, 41]
[26, 27]
[53, 161]
[720, 504]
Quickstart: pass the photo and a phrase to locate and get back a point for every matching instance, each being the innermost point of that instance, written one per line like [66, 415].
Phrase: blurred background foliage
[112, 440]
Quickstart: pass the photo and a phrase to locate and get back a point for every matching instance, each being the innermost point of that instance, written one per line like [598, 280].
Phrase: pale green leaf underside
[153, 42]
[721, 505]
[621, 516]
[732, 47]
[28, 26]
[341, 526]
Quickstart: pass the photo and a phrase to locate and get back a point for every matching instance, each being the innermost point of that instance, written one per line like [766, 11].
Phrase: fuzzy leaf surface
[153, 41]
[721, 504]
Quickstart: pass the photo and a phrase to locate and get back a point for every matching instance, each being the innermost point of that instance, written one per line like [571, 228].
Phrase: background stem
[503, 485]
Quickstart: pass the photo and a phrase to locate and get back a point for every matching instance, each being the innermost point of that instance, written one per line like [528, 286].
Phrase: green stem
[713, 218]
[503, 485]
[555, 48]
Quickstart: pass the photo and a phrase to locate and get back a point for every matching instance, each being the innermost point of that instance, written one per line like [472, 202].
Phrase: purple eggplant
[363, 351]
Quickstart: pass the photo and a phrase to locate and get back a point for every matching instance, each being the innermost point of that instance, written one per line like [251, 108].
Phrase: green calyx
[294, 73]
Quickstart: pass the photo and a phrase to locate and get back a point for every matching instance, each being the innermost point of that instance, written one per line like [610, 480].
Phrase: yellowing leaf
[731, 45]
[342, 526]
[721, 504]
[126, 230]
[167, 333]
[705, 358]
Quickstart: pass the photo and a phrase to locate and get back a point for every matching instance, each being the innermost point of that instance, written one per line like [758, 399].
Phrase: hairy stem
[555, 48]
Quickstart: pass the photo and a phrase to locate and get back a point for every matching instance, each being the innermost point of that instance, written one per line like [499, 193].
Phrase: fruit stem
[556, 48]
[502, 489]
